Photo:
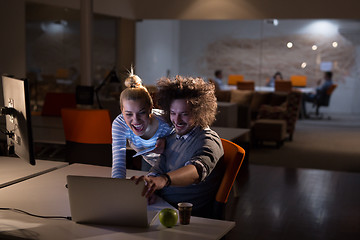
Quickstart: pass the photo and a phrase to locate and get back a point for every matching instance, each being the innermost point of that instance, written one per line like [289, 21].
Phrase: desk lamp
[110, 78]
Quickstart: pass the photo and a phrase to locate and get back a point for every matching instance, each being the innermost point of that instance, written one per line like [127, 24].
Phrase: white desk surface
[269, 89]
[49, 135]
[230, 134]
[272, 89]
[45, 129]
[14, 169]
[48, 129]
[46, 195]
[46, 122]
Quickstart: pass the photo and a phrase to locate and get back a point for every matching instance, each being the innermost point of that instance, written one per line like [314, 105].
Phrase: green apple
[168, 217]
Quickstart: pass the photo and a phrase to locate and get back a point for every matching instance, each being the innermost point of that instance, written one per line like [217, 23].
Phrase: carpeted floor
[320, 144]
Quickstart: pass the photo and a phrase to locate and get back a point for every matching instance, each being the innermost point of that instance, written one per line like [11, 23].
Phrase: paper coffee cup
[185, 212]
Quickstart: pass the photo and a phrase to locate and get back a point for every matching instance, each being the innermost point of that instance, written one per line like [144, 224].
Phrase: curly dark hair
[199, 94]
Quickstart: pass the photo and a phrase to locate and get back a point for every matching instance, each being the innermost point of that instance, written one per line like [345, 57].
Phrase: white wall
[157, 54]
[355, 98]
[155, 43]
[195, 37]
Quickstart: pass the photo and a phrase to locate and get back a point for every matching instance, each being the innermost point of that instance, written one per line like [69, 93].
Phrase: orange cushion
[233, 79]
[298, 80]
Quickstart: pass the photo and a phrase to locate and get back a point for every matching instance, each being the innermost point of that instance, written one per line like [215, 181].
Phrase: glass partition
[53, 49]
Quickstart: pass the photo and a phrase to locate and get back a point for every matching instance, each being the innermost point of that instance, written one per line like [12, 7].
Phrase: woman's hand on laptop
[151, 184]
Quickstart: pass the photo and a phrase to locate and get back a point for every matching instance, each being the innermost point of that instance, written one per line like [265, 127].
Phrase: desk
[305, 89]
[45, 130]
[264, 89]
[48, 130]
[47, 195]
[231, 134]
[239, 136]
[13, 170]
[272, 89]
[227, 115]
[229, 87]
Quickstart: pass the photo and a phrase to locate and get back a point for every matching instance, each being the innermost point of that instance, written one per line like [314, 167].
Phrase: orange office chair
[283, 86]
[323, 100]
[88, 136]
[232, 160]
[298, 80]
[234, 79]
[55, 101]
[246, 85]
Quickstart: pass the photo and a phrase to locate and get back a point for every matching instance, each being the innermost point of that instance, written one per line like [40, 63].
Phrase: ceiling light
[274, 22]
[324, 27]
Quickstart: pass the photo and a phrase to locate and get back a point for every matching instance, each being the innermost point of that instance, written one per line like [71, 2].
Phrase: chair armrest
[272, 112]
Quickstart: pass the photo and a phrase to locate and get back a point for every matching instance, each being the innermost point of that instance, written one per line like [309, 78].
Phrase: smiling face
[136, 116]
[181, 117]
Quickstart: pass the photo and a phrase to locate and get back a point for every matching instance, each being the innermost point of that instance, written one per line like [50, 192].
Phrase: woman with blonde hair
[138, 124]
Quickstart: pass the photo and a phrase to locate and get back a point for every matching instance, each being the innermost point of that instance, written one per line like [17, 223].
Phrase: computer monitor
[18, 118]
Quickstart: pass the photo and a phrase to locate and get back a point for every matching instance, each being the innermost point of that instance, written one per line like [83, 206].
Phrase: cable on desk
[34, 215]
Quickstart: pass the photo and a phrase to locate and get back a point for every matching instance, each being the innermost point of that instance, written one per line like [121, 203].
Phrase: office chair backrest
[232, 159]
[324, 99]
[234, 79]
[55, 101]
[283, 86]
[246, 85]
[88, 136]
[87, 125]
[298, 80]
[330, 90]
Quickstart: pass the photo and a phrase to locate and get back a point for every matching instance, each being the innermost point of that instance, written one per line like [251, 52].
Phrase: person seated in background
[320, 91]
[138, 125]
[271, 81]
[189, 169]
[219, 84]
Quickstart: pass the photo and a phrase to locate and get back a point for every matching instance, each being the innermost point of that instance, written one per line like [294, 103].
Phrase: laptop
[108, 201]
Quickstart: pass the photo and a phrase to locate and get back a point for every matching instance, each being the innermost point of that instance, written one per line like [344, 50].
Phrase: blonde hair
[135, 91]
[133, 81]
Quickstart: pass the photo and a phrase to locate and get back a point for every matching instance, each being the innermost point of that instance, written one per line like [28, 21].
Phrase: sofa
[253, 109]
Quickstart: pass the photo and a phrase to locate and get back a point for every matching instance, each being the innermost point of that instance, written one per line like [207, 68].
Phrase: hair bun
[133, 81]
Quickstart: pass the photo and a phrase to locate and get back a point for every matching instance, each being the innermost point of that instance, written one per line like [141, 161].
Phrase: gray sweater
[201, 147]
